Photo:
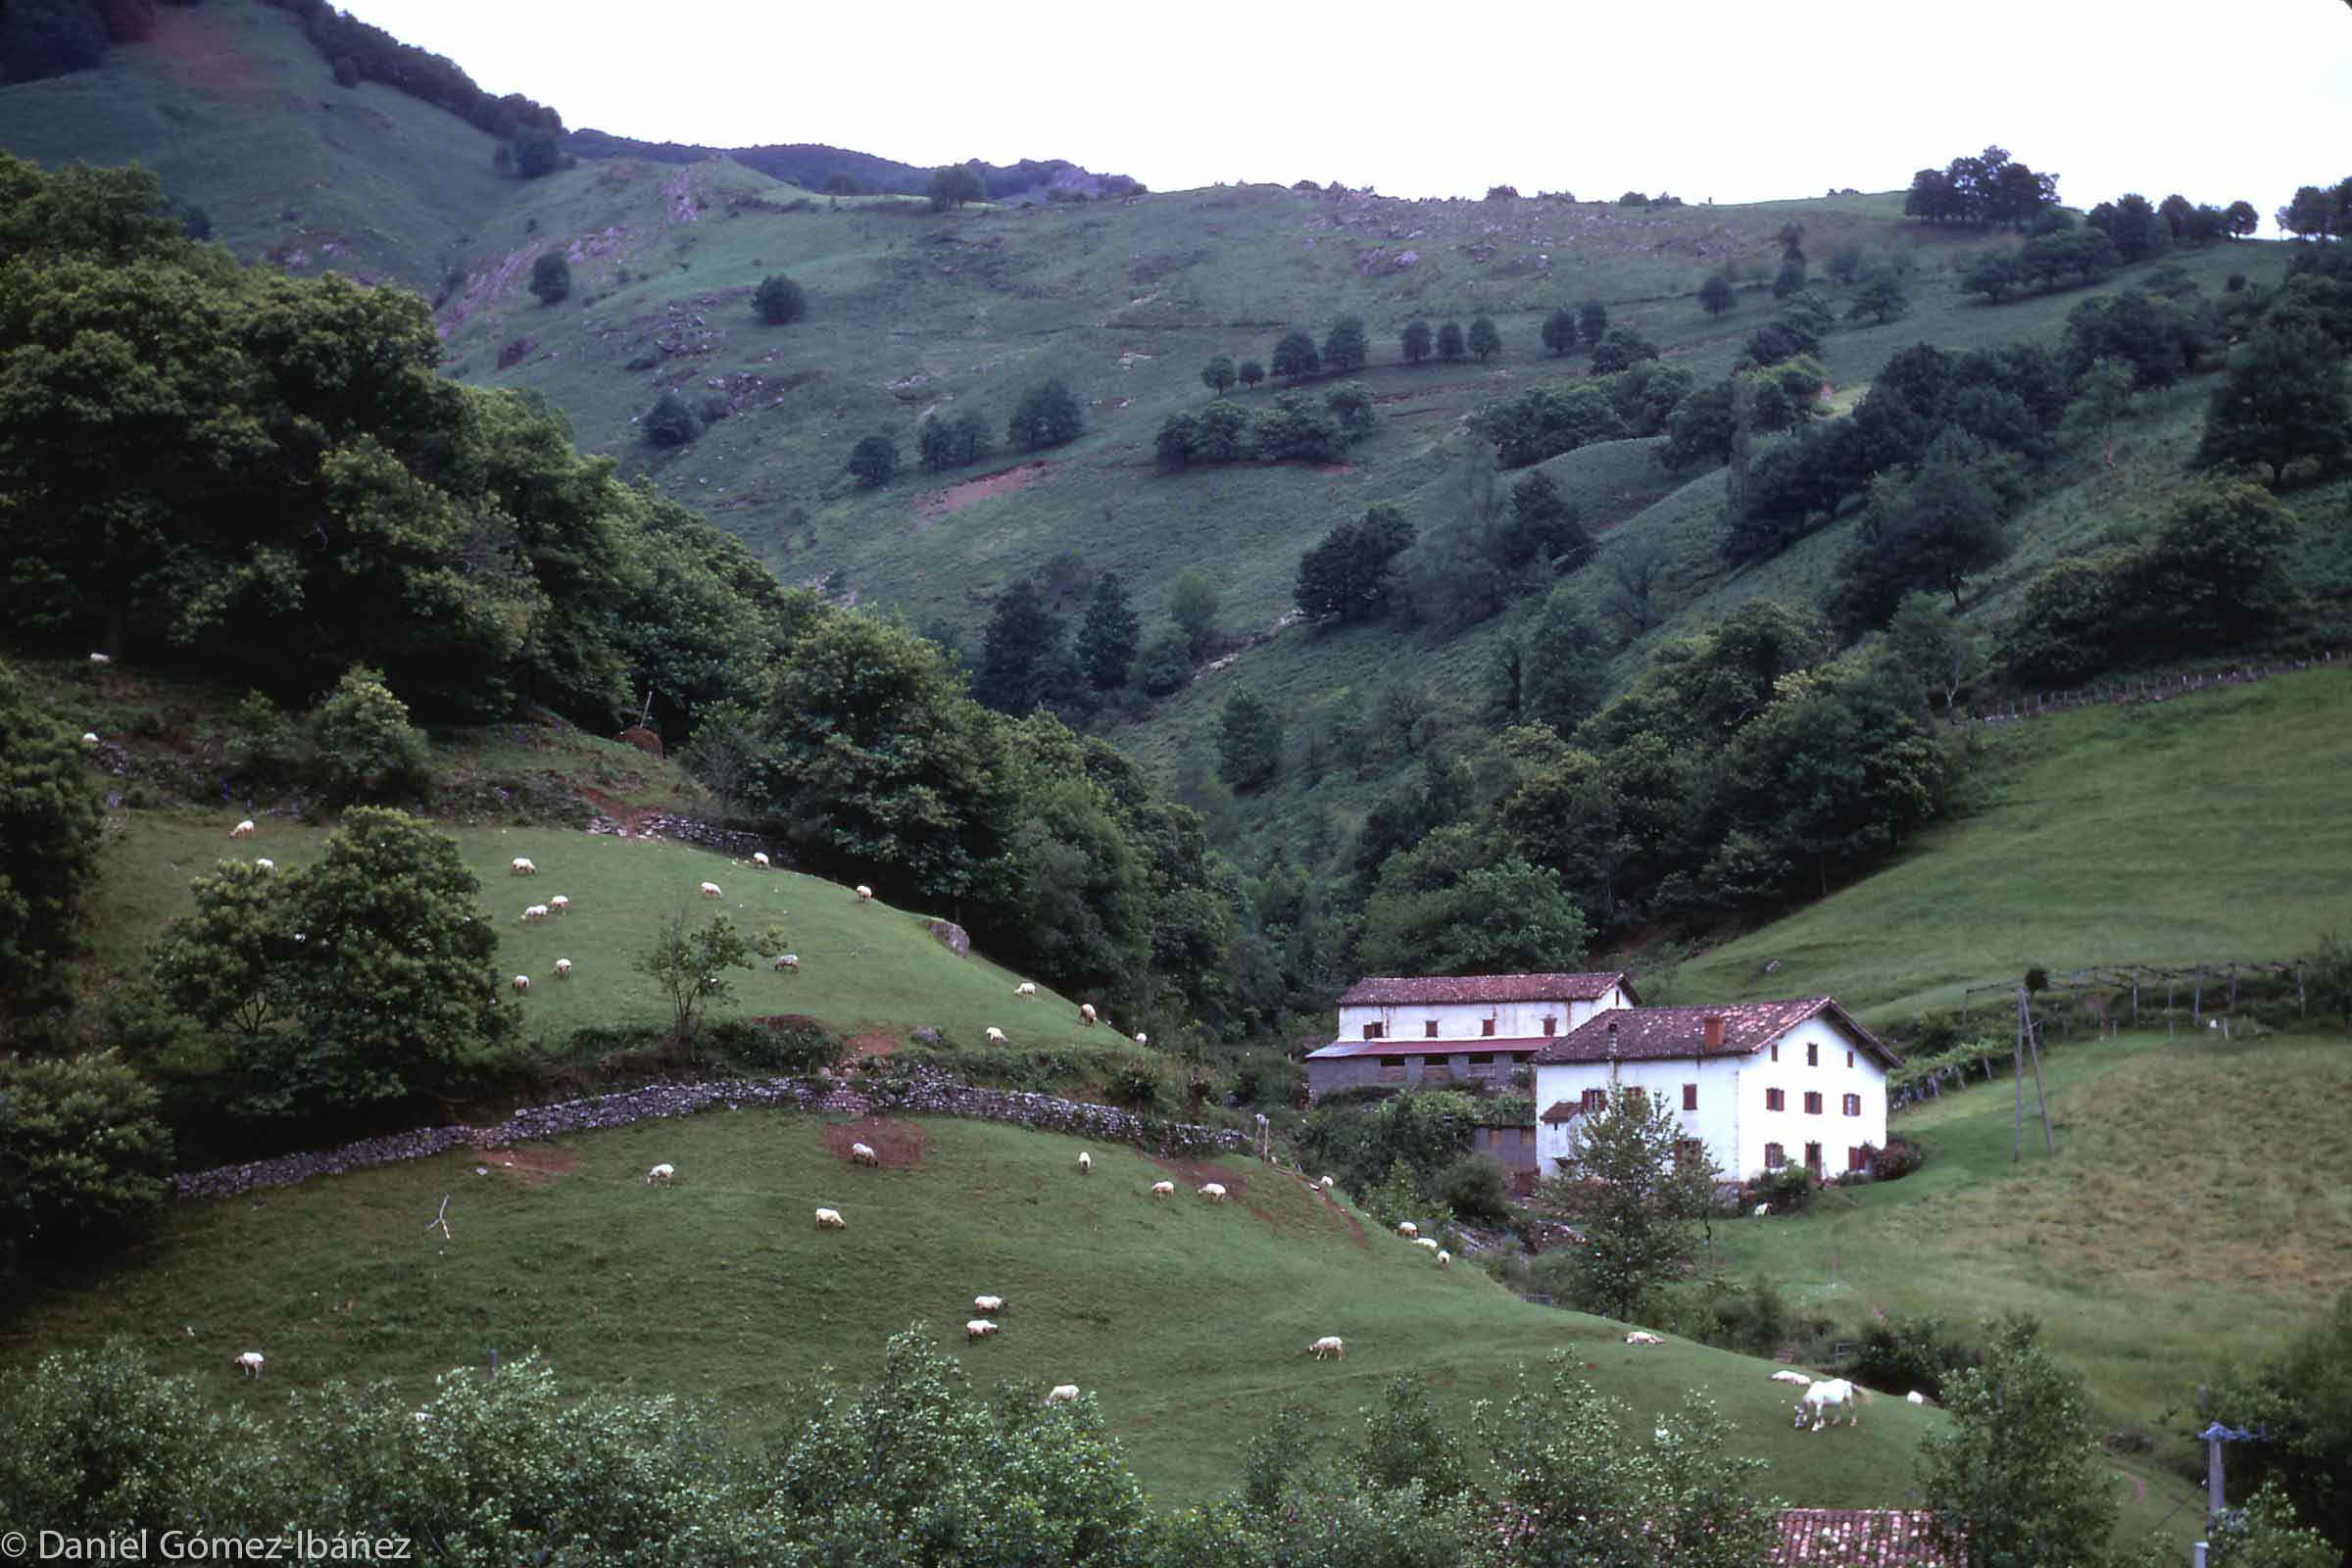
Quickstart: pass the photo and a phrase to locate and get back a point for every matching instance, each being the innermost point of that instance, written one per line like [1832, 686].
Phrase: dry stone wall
[920, 1092]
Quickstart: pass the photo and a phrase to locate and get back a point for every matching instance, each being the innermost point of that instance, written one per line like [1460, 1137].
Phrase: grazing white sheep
[1784, 1375]
[562, 968]
[1642, 1337]
[1163, 1189]
[1916, 1397]
[996, 1036]
[1445, 1258]
[988, 1305]
[1026, 991]
[263, 862]
[759, 858]
[1429, 1242]
[865, 895]
[978, 1328]
[103, 659]
[1762, 1209]
[863, 1155]
[1086, 1012]
[523, 984]
[1214, 1192]
[788, 960]
[830, 1219]
[1326, 1184]
[1086, 1163]
[520, 867]
[559, 903]
[1062, 1393]
[660, 1173]
[711, 890]
[243, 830]
[250, 1364]
[1141, 1039]
[1824, 1400]
[1330, 1347]
[535, 912]
[1407, 1229]
[89, 737]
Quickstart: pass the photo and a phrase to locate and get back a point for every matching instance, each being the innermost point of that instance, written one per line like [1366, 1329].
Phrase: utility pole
[2025, 1046]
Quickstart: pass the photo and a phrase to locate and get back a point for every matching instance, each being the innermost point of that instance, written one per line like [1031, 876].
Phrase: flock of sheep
[521, 865]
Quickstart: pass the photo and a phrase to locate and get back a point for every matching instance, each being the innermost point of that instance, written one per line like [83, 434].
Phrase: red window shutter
[1812, 1101]
[1850, 1058]
[1485, 1026]
[1429, 1029]
[1812, 1055]
[1689, 1096]
[1548, 1023]
[1775, 1052]
[1774, 1157]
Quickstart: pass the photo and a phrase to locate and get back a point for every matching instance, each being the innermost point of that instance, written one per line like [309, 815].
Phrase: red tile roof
[1858, 1538]
[1561, 1110]
[1637, 1034]
[1404, 990]
[1518, 1045]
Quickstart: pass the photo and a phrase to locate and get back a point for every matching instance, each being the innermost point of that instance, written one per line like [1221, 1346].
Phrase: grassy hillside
[1189, 1321]
[235, 112]
[2207, 828]
[2149, 1274]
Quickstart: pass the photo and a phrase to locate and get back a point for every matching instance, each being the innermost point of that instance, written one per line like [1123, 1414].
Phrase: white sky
[1739, 102]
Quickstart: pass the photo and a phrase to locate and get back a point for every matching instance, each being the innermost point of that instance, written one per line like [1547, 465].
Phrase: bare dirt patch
[899, 1144]
[533, 1164]
[631, 818]
[929, 508]
[871, 1044]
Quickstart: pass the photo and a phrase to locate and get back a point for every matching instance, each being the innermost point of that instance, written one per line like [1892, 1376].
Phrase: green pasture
[863, 966]
[2192, 1216]
[2203, 829]
[1190, 1321]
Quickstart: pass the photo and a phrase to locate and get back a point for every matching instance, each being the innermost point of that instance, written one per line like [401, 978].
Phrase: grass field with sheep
[1189, 1321]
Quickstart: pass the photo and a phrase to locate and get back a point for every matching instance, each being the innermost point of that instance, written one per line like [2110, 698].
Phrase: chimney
[1713, 1025]
[1612, 1037]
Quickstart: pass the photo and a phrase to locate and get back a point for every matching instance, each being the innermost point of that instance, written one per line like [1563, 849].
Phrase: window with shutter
[1812, 1103]
[1776, 1100]
[1485, 1026]
[1775, 1052]
[1853, 1104]
[1549, 1025]
[1854, 1159]
[1775, 1156]
[1850, 1060]
[1595, 1099]
[1371, 1031]
[1812, 1055]
[1429, 1030]
[1689, 1096]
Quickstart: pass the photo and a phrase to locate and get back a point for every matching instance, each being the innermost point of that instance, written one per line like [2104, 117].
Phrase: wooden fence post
[2234, 987]
[2302, 1009]
[2136, 996]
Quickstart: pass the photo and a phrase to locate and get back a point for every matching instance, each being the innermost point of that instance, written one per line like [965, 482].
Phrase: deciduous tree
[1218, 375]
[1296, 356]
[551, 278]
[1485, 341]
[2017, 1477]
[1416, 342]
[1108, 636]
[1248, 743]
[689, 964]
[49, 834]
[1251, 373]
[1345, 348]
[780, 300]
[874, 460]
[1559, 330]
[1048, 416]
[2281, 403]
[1640, 1191]
[1716, 295]
[1449, 341]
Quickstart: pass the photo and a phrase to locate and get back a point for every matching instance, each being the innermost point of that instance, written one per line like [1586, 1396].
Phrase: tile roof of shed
[1637, 1034]
[1393, 991]
[1439, 1050]
[1857, 1538]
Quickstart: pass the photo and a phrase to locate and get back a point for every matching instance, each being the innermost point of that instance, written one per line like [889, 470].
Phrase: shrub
[551, 278]
[1476, 1189]
[873, 461]
[1910, 1352]
[795, 1047]
[366, 748]
[1787, 1189]
[83, 1153]
[1899, 1158]
[671, 424]
[780, 300]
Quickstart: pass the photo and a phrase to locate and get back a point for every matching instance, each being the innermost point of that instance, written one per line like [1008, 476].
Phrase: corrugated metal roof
[1404, 990]
[1526, 1045]
[1858, 1538]
[1638, 1034]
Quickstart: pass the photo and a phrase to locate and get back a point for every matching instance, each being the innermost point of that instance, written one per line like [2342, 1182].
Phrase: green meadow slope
[1189, 1321]
[2203, 829]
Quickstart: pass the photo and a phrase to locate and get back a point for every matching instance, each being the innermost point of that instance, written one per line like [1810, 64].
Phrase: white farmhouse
[1761, 1084]
[1435, 1029]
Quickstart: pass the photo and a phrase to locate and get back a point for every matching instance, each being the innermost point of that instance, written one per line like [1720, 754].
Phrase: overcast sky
[1742, 102]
